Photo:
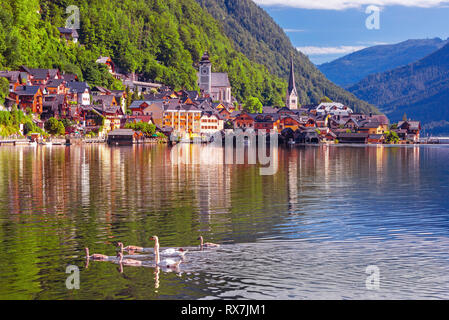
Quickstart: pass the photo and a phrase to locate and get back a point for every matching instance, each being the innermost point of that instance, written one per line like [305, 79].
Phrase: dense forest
[159, 39]
[420, 90]
[257, 35]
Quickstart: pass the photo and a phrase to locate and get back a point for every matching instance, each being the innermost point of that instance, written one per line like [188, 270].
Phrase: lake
[307, 232]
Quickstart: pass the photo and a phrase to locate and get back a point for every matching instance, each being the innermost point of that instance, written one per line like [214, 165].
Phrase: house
[121, 137]
[371, 127]
[14, 79]
[54, 105]
[376, 139]
[28, 97]
[333, 108]
[183, 118]
[56, 86]
[413, 129]
[79, 92]
[69, 34]
[154, 109]
[266, 122]
[211, 122]
[107, 61]
[352, 138]
[244, 121]
[291, 121]
[40, 77]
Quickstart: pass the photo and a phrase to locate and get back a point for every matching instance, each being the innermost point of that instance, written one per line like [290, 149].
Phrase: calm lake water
[307, 232]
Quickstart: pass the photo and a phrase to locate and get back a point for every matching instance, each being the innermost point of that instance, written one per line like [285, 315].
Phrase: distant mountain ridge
[352, 68]
[420, 90]
[263, 41]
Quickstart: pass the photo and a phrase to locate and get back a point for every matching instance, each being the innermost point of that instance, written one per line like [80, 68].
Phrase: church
[214, 84]
[292, 93]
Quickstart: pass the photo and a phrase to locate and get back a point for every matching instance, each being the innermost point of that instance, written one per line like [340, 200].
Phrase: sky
[328, 29]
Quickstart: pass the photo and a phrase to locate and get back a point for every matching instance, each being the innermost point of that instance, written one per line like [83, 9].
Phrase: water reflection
[327, 210]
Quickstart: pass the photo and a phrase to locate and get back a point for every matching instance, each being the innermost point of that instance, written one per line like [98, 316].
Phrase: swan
[128, 262]
[166, 263]
[165, 253]
[98, 257]
[207, 244]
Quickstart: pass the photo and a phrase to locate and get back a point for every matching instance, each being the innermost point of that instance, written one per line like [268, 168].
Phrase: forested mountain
[420, 90]
[162, 40]
[257, 35]
[377, 59]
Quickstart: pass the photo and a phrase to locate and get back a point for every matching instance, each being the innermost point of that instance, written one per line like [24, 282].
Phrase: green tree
[54, 127]
[391, 137]
[4, 89]
[253, 105]
[325, 100]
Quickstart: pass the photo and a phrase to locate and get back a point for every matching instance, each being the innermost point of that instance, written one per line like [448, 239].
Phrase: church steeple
[292, 93]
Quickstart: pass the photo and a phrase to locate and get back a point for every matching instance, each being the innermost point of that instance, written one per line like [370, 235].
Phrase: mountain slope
[377, 59]
[420, 89]
[257, 35]
[159, 39]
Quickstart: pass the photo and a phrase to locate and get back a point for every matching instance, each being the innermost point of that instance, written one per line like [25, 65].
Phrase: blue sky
[339, 29]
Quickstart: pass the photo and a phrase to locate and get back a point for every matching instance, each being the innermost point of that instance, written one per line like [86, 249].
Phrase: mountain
[161, 40]
[420, 90]
[257, 35]
[377, 59]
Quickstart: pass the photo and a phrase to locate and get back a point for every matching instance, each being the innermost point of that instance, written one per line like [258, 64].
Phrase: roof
[69, 77]
[122, 132]
[78, 87]
[352, 135]
[12, 76]
[291, 80]
[269, 110]
[53, 83]
[72, 32]
[104, 99]
[220, 79]
[27, 90]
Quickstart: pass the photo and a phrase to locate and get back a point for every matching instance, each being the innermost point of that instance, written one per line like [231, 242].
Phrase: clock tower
[205, 76]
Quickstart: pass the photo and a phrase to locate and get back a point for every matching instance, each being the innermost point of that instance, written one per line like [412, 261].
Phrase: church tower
[205, 76]
[292, 93]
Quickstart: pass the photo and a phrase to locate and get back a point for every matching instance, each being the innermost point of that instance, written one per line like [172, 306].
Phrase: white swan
[166, 263]
[171, 252]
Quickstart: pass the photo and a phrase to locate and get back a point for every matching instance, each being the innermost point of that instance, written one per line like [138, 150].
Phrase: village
[160, 112]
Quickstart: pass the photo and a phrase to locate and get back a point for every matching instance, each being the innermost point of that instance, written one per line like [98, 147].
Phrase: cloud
[348, 4]
[315, 51]
[294, 30]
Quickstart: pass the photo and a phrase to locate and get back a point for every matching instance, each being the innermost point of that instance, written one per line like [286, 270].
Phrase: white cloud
[348, 4]
[315, 51]
[293, 30]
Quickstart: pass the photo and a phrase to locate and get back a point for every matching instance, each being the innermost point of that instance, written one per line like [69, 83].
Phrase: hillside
[257, 35]
[159, 39]
[377, 59]
[420, 90]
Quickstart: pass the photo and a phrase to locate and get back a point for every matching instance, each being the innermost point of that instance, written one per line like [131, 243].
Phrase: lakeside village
[58, 105]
